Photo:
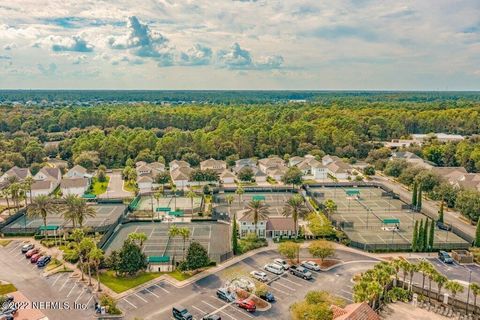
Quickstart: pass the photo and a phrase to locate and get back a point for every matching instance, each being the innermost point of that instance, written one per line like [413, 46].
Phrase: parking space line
[21, 258]
[70, 292]
[18, 246]
[81, 294]
[219, 309]
[291, 289]
[59, 276]
[292, 282]
[156, 285]
[68, 279]
[245, 313]
[88, 302]
[152, 293]
[125, 299]
[140, 297]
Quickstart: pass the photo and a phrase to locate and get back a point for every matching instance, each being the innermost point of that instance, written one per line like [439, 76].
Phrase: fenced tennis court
[377, 220]
[149, 203]
[213, 236]
[105, 216]
[275, 201]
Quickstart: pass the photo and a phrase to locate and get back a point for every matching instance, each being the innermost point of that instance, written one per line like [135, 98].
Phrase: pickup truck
[301, 272]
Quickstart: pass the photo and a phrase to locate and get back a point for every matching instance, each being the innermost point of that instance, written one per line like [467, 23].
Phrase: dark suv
[181, 313]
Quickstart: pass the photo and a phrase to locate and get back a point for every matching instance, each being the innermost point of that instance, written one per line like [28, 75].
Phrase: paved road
[115, 187]
[156, 301]
[428, 206]
[36, 287]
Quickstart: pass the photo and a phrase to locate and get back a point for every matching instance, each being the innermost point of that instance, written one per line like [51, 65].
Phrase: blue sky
[240, 44]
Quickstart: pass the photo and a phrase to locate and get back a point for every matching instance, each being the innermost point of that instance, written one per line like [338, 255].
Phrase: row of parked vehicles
[35, 256]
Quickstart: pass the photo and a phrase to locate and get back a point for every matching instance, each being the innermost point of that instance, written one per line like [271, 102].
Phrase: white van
[274, 268]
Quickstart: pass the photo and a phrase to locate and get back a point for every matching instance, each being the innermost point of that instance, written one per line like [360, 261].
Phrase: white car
[310, 265]
[274, 268]
[259, 275]
[283, 263]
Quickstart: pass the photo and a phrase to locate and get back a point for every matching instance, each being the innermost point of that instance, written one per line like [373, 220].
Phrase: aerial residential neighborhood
[240, 160]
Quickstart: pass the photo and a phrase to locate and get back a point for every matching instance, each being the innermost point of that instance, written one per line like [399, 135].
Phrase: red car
[247, 304]
[35, 258]
[31, 252]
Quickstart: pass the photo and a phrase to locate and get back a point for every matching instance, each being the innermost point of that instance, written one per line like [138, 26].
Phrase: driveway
[115, 187]
[60, 287]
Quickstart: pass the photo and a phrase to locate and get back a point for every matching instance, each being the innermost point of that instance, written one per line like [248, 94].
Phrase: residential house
[412, 159]
[273, 167]
[78, 172]
[181, 176]
[19, 173]
[293, 161]
[468, 181]
[399, 143]
[311, 168]
[335, 167]
[46, 181]
[442, 137]
[146, 174]
[217, 165]
[175, 164]
[246, 225]
[451, 174]
[280, 227]
[248, 162]
[77, 186]
[354, 311]
[259, 175]
[227, 177]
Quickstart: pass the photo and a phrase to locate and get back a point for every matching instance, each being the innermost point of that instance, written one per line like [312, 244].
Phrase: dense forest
[111, 134]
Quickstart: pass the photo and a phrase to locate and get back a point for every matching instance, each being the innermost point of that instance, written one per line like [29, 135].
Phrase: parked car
[445, 257]
[6, 316]
[301, 272]
[247, 304]
[282, 262]
[31, 252]
[212, 317]
[181, 313]
[310, 265]
[10, 309]
[268, 296]
[274, 268]
[259, 275]
[225, 295]
[43, 261]
[35, 257]
[443, 226]
[27, 247]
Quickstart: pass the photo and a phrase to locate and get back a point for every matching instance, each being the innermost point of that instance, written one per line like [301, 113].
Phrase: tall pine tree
[440, 213]
[477, 235]
[431, 237]
[419, 198]
[420, 237]
[425, 235]
[414, 195]
[235, 235]
[415, 237]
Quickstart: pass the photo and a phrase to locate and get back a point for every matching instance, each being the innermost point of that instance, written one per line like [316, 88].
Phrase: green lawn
[180, 276]
[98, 187]
[4, 243]
[7, 288]
[121, 284]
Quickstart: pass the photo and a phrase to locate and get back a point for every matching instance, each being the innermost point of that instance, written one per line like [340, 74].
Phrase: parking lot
[33, 283]
[200, 297]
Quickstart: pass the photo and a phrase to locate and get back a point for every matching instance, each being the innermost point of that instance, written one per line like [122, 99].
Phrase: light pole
[468, 292]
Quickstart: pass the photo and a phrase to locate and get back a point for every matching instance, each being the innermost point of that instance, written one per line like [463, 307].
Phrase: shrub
[109, 304]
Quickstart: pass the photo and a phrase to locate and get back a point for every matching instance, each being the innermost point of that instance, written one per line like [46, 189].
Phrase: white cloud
[74, 43]
[237, 58]
[196, 55]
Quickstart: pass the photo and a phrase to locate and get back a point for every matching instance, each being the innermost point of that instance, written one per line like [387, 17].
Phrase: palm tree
[374, 290]
[454, 287]
[84, 248]
[229, 198]
[95, 257]
[441, 280]
[424, 267]
[173, 232]
[413, 268]
[28, 186]
[138, 236]
[185, 234]
[432, 274]
[295, 208]
[15, 193]
[191, 195]
[257, 210]
[6, 194]
[475, 287]
[239, 192]
[68, 210]
[83, 211]
[158, 195]
[405, 266]
[41, 207]
[174, 191]
[330, 207]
